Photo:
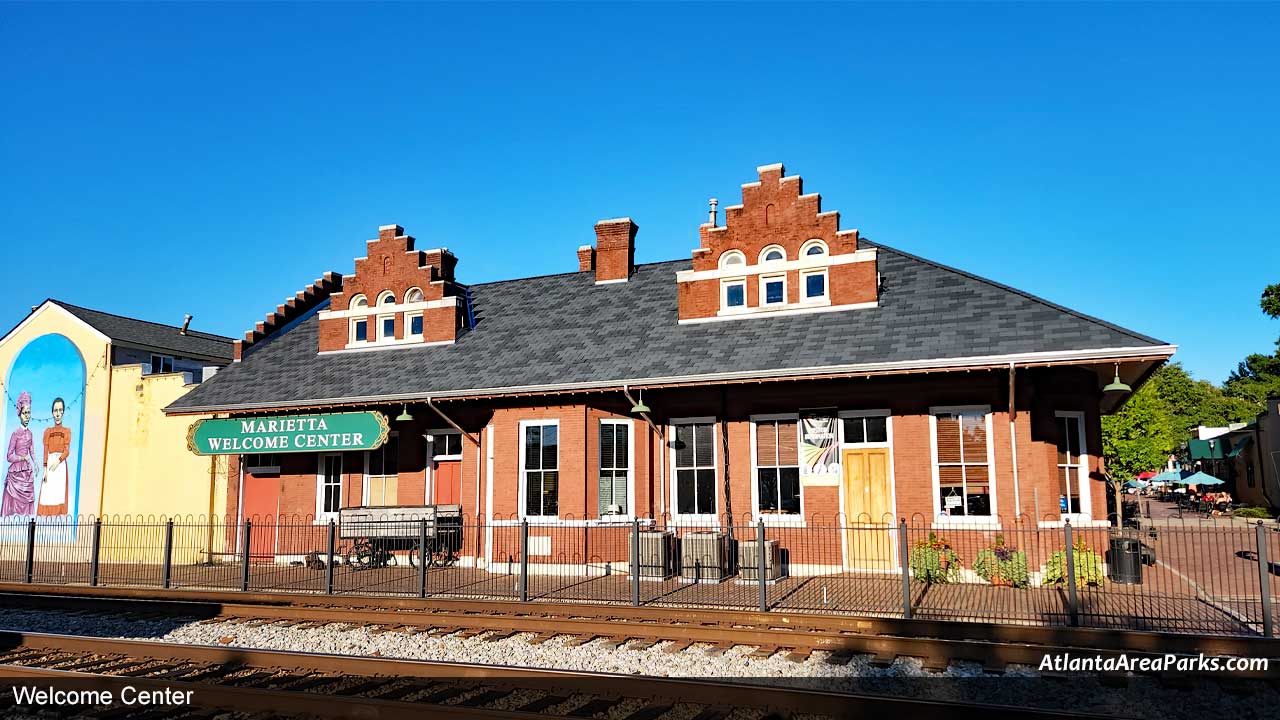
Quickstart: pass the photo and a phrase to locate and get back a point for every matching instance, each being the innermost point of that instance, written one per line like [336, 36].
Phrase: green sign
[288, 434]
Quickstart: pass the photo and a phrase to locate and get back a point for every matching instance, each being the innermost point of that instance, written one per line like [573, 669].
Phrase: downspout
[662, 455]
[106, 433]
[474, 440]
[1013, 444]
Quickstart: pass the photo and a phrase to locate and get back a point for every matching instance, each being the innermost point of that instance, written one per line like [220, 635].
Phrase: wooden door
[868, 508]
[262, 506]
[446, 482]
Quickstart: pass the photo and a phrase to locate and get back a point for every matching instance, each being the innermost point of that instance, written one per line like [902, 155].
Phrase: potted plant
[934, 561]
[1000, 564]
[1087, 563]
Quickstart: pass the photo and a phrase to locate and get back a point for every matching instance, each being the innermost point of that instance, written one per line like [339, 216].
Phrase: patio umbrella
[1135, 483]
[1169, 476]
[1201, 478]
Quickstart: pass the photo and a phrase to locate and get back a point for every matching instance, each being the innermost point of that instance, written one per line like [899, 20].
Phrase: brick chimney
[615, 250]
[586, 258]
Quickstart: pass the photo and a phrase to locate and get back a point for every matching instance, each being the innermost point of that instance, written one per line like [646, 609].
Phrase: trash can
[1124, 559]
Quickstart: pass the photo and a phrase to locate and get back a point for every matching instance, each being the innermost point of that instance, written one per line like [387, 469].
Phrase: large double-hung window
[777, 466]
[382, 474]
[694, 458]
[540, 468]
[962, 461]
[615, 467]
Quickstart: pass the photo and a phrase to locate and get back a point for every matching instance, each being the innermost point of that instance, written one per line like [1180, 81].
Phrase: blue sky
[213, 159]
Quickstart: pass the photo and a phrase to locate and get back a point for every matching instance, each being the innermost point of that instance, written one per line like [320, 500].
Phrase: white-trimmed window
[540, 468]
[693, 460]
[773, 290]
[733, 294]
[616, 462]
[963, 472]
[161, 364]
[813, 248]
[446, 445]
[328, 486]
[412, 295]
[773, 254]
[413, 324]
[359, 330]
[382, 473]
[813, 285]
[732, 258]
[865, 428]
[358, 301]
[386, 328]
[386, 298]
[1073, 465]
[777, 465]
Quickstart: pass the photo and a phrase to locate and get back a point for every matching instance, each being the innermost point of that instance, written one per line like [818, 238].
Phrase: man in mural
[57, 450]
[19, 481]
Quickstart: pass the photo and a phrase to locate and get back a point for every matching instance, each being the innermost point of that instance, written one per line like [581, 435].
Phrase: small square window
[415, 325]
[360, 330]
[774, 291]
[815, 286]
[735, 295]
[388, 328]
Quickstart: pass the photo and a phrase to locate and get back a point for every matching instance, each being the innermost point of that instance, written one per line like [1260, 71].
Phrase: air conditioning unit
[657, 554]
[704, 556]
[749, 559]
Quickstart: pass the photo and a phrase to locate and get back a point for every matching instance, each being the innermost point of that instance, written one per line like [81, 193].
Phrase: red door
[261, 505]
[446, 482]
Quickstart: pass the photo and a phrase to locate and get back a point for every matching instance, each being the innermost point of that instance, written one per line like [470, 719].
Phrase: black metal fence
[1217, 576]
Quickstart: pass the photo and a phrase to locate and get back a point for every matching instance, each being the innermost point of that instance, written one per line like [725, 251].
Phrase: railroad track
[272, 683]
[936, 644]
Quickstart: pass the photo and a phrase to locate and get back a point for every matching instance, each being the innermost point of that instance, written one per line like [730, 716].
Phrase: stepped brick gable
[398, 296]
[300, 304]
[776, 252]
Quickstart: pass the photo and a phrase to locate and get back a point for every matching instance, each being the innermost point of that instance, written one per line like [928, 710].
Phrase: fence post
[761, 575]
[1073, 602]
[635, 561]
[244, 555]
[168, 554]
[333, 551]
[31, 550]
[422, 558]
[94, 550]
[524, 559]
[906, 568]
[1264, 579]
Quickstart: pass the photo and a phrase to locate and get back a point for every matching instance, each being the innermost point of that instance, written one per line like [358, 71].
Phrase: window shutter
[532, 447]
[606, 445]
[684, 446]
[788, 443]
[766, 443]
[621, 447]
[605, 489]
[620, 491]
[704, 445]
[948, 435]
[550, 492]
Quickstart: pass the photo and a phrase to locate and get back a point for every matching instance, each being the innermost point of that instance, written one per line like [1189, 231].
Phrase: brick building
[788, 372]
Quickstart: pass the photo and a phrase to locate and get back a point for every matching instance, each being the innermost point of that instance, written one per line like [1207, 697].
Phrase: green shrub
[934, 562]
[1088, 566]
[1002, 565]
[1260, 513]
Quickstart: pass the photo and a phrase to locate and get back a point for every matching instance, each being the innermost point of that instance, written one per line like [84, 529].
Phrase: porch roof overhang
[1135, 365]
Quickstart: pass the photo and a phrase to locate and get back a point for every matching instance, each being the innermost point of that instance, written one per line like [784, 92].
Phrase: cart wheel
[415, 555]
[362, 555]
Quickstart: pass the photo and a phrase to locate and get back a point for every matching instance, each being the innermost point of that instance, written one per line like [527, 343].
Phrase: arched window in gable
[773, 254]
[387, 298]
[732, 259]
[812, 248]
[413, 295]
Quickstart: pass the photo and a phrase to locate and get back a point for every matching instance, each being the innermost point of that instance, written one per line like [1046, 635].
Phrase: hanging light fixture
[640, 407]
[404, 416]
[1116, 386]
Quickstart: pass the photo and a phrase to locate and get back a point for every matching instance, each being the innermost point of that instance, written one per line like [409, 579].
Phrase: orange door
[446, 482]
[261, 505]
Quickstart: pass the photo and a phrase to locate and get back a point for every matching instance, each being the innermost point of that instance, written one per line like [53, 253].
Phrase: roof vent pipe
[186, 323]
[713, 202]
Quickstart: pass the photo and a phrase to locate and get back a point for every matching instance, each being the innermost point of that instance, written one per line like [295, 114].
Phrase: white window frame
[629, 511]
[385, 294]
[364, 499]
[728, 255]
[764, 282]
[351, 331]
[825, 297]
[715, 465]
[521, 495]
[381, 337]
[941, 520]
[1082, 471]
[815, 242]
[768, 249]
[725, 307]
[162, 359]
[430, 437]
[408, 325]
[322, 516]
[770, 518]
[358, 301]
[411, 291]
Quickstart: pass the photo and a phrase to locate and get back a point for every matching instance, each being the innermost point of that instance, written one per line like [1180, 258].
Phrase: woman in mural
[57, 451]
[19, 480]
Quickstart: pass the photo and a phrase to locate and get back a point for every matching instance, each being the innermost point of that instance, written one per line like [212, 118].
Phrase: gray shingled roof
[154, 336]
[566, 329]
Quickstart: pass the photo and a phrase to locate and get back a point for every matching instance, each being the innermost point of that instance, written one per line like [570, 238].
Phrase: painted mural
[43, 427]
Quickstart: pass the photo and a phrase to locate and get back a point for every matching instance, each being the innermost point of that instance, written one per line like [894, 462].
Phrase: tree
[1139, 437]
[1271, 300]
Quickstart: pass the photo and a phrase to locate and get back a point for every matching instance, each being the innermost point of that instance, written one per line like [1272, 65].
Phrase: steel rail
[650, 689]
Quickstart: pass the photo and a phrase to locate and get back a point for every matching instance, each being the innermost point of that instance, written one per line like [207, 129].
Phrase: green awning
[1239, 445]
[1203, 450]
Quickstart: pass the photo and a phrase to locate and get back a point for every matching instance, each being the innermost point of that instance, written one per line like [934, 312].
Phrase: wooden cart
[429, 532]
